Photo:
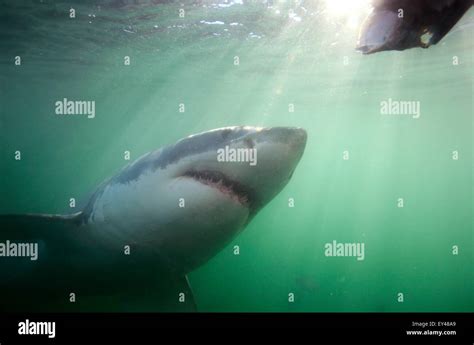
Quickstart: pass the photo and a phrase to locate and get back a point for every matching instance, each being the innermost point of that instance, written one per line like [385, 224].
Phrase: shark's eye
[249, 142]
[225, 133]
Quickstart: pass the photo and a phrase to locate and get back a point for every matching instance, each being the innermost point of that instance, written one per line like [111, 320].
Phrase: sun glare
[347, 7]
[350, 11]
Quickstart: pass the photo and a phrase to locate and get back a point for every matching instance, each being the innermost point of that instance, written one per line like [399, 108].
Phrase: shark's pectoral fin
[166, 294]
[34, 227]
[191, 300]
[31, 242]
[65, 264]
[36, 253]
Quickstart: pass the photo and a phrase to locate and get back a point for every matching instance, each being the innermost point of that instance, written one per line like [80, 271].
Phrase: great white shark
[147, 227]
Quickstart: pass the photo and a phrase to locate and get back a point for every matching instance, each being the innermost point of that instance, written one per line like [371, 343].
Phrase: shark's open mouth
[215, 179]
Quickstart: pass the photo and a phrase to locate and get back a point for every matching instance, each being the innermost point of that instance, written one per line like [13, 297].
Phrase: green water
[306, 61]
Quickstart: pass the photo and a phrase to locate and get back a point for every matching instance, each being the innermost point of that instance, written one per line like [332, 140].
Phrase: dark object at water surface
[404, 24]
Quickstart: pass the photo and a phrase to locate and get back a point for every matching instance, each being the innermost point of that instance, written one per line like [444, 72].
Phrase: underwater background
[258, 63]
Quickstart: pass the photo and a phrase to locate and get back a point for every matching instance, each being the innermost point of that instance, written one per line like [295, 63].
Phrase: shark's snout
[277, 151]
[249, 165]
[294, 137]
